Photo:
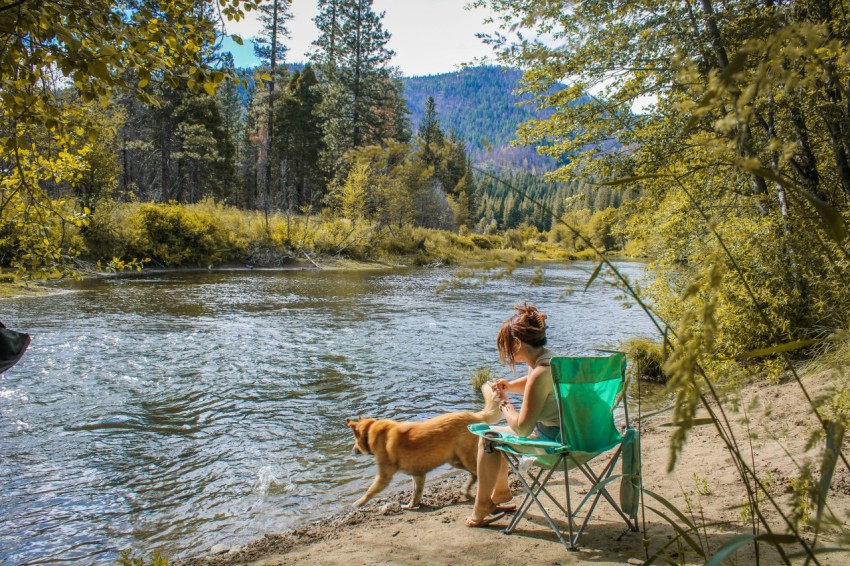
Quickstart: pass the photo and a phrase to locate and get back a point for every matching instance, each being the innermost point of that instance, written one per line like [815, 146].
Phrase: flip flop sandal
[505, 508]
[486, 521]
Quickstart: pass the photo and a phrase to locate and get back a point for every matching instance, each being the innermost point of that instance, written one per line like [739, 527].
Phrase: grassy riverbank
[211, 235]
[10, 286]
[122, 235]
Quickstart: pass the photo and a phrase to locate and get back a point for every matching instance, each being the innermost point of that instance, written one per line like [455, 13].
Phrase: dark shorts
[549, 432]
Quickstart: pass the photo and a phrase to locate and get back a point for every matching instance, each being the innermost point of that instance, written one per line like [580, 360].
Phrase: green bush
[400, 243]
[513, 239]
[208, 233]
[175, 235]
[482, 242]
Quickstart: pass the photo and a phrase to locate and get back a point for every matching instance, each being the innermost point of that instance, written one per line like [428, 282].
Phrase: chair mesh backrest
[587, 389]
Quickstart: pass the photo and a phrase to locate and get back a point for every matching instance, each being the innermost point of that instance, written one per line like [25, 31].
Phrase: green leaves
[834, 438]
[594, 275]
[682, 532]
[778, 349]
[100, 48]
[629, 180]
[831, 220]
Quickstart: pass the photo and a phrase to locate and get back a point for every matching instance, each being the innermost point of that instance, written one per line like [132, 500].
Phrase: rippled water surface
[176, 411]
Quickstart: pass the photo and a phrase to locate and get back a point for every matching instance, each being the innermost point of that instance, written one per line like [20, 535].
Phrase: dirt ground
[704, 485]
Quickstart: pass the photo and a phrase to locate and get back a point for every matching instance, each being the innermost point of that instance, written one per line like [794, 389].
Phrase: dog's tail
[491, 413]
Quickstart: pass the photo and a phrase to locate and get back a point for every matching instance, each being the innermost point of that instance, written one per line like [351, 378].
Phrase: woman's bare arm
[538, 385]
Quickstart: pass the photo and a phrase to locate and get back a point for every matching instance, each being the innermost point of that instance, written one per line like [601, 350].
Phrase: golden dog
[416, 448]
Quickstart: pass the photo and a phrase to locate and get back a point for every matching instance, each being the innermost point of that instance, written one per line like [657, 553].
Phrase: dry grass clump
[647, 359]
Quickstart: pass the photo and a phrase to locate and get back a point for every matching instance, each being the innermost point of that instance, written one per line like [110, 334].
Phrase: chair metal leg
[573, 540]
[527, 499]
[530, 491]
[603, 492]
[537, 486]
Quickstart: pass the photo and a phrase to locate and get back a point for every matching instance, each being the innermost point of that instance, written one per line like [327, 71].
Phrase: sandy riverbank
[382, 533]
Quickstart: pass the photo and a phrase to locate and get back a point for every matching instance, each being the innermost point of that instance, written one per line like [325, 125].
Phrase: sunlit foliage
[732, 121]
[97, 48]
[742, 155]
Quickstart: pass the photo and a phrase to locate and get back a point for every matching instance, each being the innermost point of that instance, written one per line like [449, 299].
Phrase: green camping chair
[587, 390]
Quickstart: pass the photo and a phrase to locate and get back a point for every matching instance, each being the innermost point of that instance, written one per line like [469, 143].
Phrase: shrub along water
[210, 233]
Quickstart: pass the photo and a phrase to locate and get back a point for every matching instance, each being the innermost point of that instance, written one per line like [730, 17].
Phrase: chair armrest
[506, 441]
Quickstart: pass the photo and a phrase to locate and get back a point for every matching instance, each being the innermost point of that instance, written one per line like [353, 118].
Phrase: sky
[429, 36]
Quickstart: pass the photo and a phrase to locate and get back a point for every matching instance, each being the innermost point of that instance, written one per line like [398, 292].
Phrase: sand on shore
[704, 485]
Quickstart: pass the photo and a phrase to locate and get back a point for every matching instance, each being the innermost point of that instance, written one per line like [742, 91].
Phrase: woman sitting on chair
[522, 339]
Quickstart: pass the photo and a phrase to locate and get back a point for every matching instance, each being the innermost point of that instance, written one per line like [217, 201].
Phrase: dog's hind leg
[467, 486]
[416, 497]
[382, 480]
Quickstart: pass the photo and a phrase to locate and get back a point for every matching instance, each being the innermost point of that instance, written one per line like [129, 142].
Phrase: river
[174, 411]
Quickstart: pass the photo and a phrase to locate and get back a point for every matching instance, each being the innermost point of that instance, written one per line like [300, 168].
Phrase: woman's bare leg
[489, 477]
[501, 490]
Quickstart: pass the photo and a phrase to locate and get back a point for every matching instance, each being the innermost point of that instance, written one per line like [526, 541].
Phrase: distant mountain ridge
[479, 104]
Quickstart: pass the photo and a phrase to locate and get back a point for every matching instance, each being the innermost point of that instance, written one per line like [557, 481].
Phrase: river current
[175, 411]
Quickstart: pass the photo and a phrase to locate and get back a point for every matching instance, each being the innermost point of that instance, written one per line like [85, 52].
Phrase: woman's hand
[500, 390]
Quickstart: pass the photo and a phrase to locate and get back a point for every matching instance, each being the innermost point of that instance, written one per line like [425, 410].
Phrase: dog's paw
[410, 506]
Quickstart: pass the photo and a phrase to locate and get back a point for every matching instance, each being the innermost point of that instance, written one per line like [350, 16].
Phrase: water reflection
[176, 411]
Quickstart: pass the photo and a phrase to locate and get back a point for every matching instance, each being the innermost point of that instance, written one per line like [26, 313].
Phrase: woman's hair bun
[528, 325]
[530, 315]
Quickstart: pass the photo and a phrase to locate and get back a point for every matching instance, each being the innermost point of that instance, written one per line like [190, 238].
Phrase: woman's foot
[484, 521]
[502, 499]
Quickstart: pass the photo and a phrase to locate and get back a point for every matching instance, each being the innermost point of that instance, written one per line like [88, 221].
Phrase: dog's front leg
[382, 480]
[416, 497]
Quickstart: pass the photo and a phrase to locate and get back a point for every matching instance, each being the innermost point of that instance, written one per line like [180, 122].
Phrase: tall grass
[209, 233]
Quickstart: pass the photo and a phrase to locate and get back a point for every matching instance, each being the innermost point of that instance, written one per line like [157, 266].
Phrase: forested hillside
[521, 197]
[481, 106]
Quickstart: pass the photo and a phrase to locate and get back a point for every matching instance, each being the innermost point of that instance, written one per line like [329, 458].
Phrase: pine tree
[430, 134]
[202, 150]
[269, 46]
[362, 103]
[327, 44]
[270, 49]
[232, 109]
[300, 138]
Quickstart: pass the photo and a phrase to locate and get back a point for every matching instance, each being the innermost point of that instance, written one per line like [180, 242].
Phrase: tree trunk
[270, 115]
[165, 147]
[805, 165]
[744, 136]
